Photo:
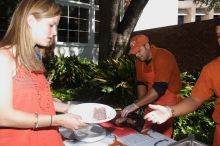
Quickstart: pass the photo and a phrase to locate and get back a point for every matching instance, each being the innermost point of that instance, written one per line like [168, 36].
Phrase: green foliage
[69, 72]
[118, 80]
[210, 3]
[188, 81]
[64, 94]
[111, 82]
[71, 77]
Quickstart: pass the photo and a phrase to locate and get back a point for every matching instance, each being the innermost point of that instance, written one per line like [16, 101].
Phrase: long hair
[18, 33]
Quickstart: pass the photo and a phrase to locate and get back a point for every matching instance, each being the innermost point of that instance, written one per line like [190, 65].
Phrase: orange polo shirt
[165, 68]
[208, 84]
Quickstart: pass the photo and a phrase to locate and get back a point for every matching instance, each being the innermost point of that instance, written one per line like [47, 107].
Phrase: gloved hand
[128, 109]
[159, 115]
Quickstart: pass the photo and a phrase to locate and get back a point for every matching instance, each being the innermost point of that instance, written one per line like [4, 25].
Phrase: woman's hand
[69, 121]
[62, 107]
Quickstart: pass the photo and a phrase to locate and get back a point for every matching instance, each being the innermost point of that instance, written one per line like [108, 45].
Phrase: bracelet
[51, 120]
[36, 123]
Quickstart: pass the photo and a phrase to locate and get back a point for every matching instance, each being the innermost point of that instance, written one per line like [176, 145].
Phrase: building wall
[194, 12]
[160, 13]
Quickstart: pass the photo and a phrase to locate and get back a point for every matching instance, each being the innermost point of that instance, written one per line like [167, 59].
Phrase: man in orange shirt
[206, 86]
[158, 80]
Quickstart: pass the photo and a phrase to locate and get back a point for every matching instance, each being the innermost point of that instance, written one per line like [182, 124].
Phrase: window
[180, 19]
[216, 13]
[216, 16]
[198, 18]
[182, 13]
[74, 24]
[78, 23]
[200, 14]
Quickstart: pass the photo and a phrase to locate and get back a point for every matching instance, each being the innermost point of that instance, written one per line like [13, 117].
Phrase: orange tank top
[31, 93]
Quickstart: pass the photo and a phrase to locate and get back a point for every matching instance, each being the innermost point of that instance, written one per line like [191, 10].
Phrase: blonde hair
[19, 34]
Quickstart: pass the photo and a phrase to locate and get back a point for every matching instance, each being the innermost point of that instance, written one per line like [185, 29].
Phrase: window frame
[91, 24]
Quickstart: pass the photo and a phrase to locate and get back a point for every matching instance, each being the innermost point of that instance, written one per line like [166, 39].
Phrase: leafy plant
[111, 82]
[188, 81]
[118, 80]
[71, 77]
[69, 72]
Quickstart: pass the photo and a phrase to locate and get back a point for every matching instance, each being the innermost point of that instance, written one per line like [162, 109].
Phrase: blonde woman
[27, 116]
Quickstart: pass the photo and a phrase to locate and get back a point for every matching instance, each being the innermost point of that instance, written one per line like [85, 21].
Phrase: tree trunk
[120, 32]
[109, 15]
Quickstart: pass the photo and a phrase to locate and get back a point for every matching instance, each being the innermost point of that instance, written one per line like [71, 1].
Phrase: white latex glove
[128, 109]
[159, 115]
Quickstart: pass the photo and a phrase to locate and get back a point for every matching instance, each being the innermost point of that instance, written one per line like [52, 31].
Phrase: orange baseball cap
[136, 42]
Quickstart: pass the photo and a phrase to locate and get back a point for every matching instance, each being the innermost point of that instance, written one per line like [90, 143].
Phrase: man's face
[144, 53]
[218, 33]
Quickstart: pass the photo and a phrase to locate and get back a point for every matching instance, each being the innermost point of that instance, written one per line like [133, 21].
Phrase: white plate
[86, 111]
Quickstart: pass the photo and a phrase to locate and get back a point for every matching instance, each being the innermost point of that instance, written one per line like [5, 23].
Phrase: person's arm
[141, 90]
[149, 97]
[158, 90]
[186, 106]
[146, 98]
